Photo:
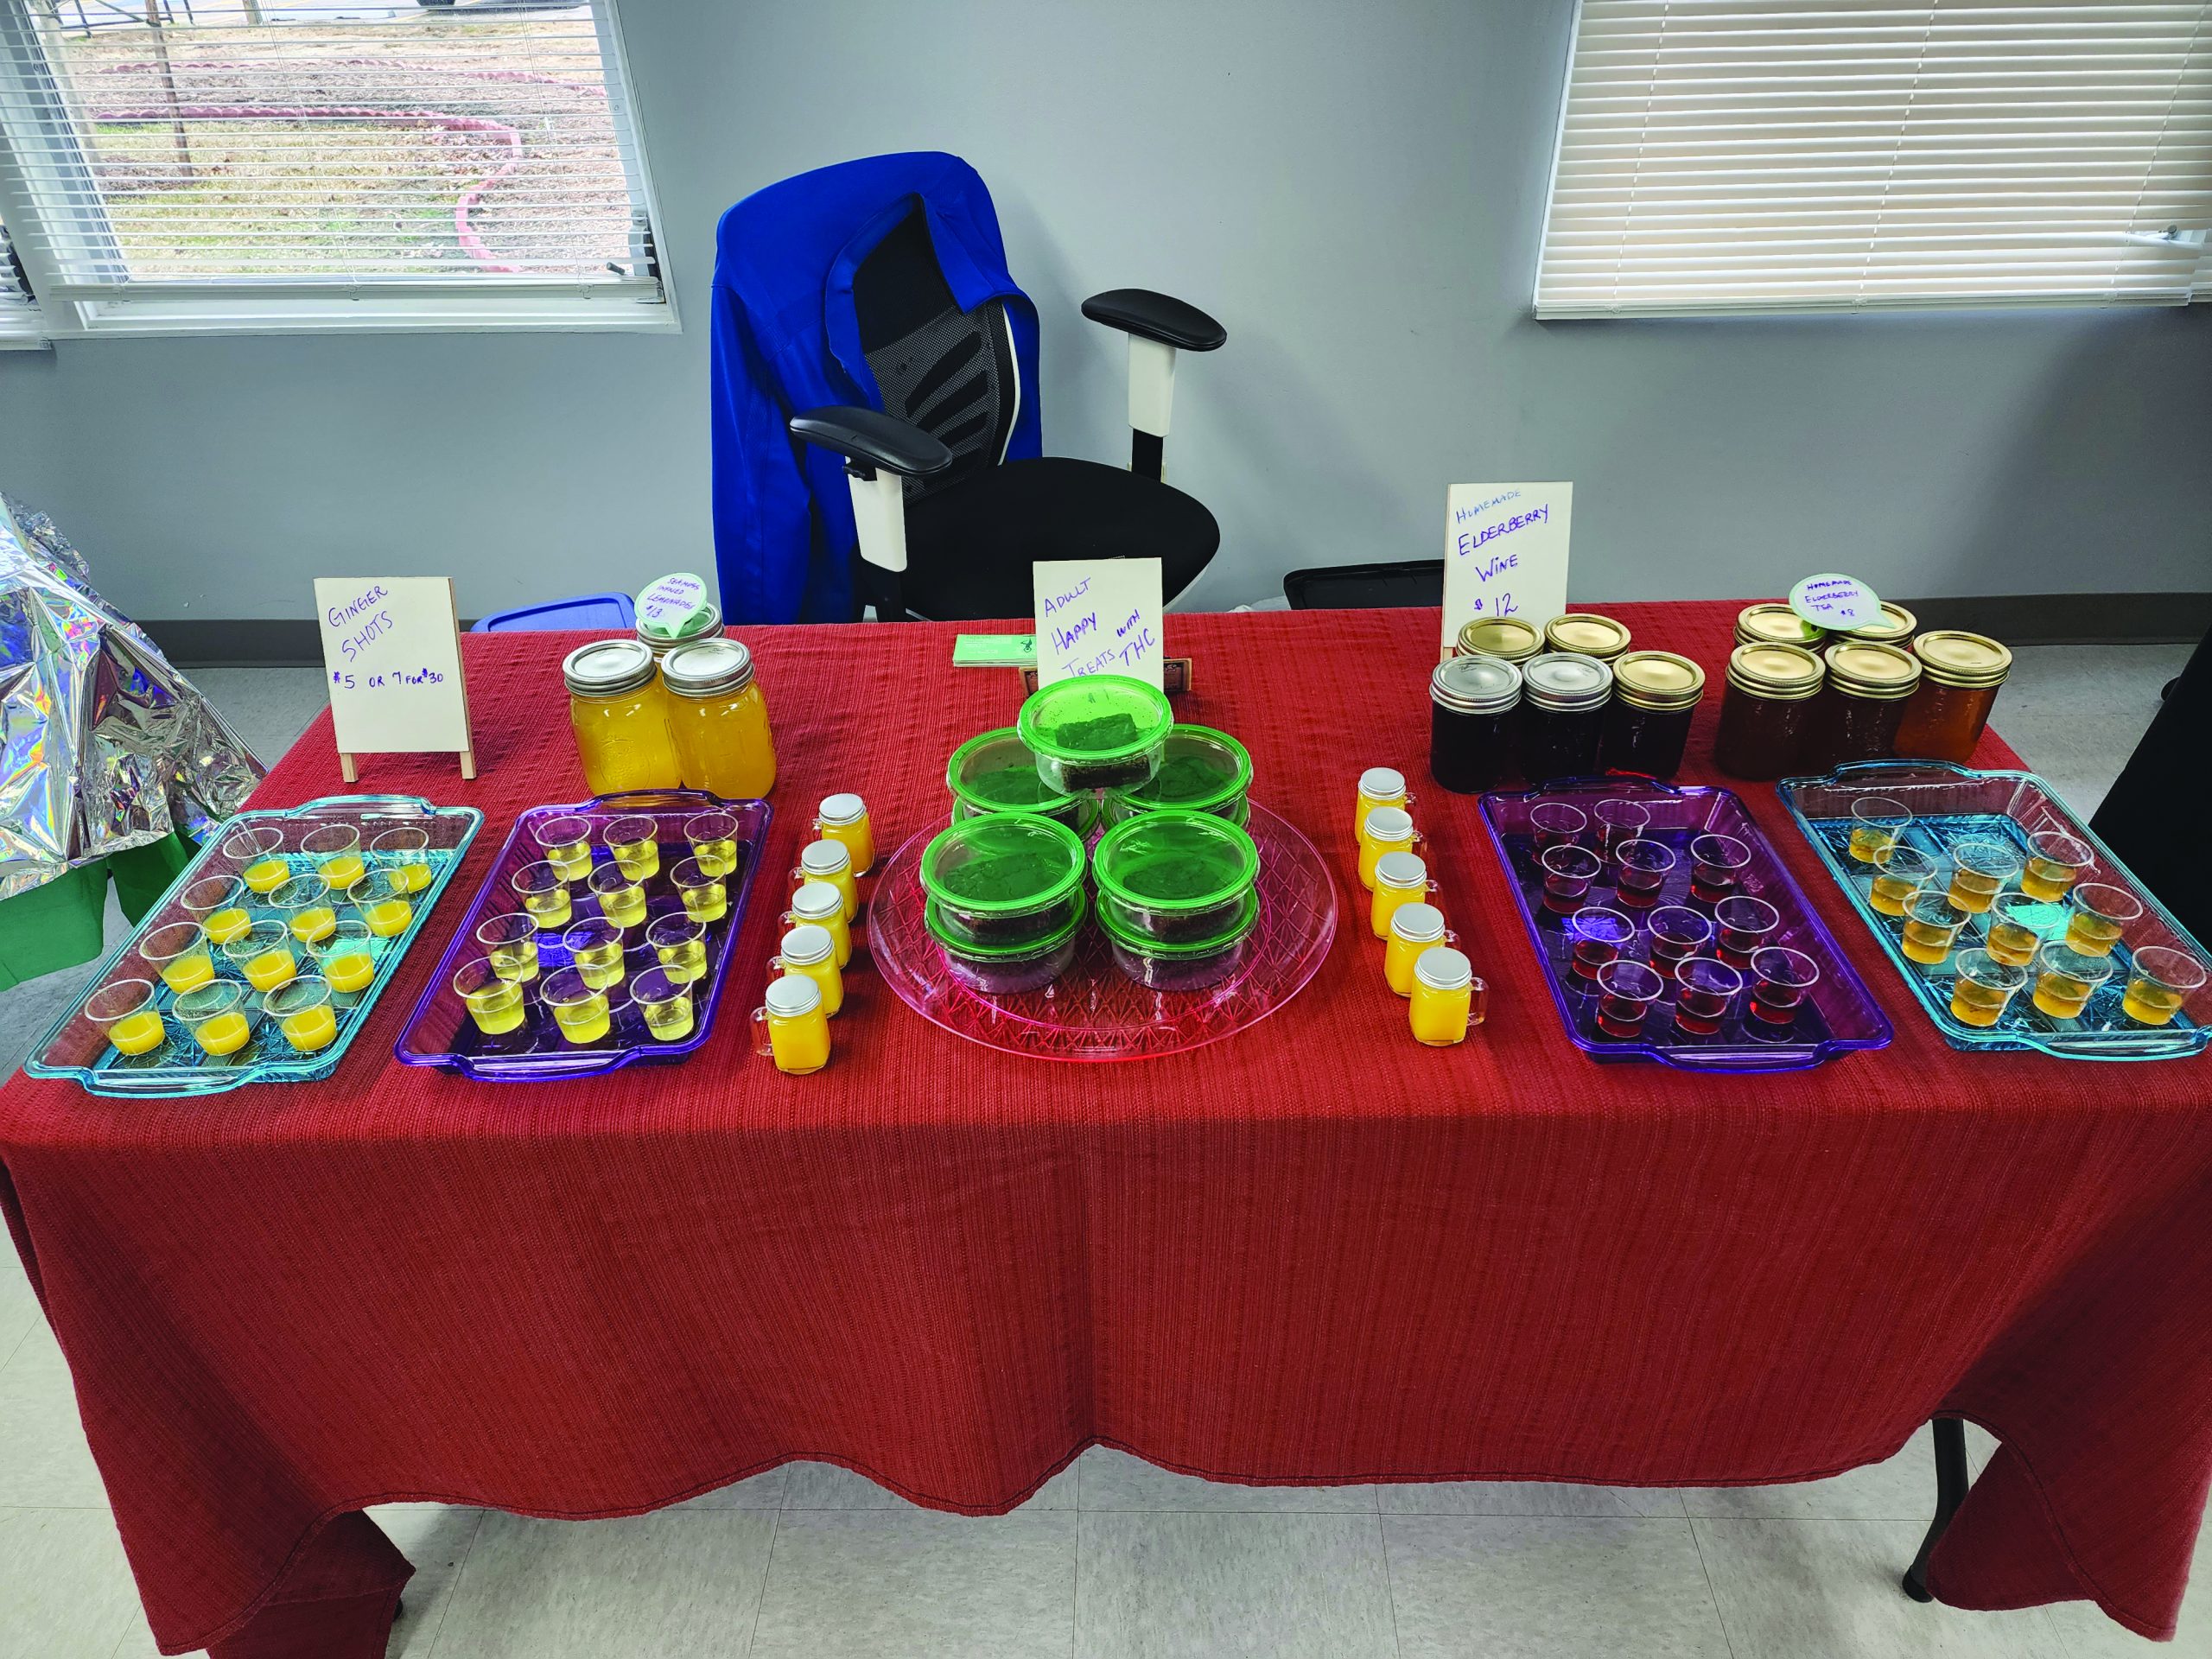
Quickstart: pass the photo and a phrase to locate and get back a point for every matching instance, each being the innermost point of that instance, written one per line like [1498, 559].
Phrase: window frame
[245, 306]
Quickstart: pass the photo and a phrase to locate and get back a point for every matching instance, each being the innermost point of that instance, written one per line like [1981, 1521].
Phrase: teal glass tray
[78, 1048]
[1950, 803]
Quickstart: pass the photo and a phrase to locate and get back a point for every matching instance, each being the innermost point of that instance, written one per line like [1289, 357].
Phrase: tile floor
[1115, 1557]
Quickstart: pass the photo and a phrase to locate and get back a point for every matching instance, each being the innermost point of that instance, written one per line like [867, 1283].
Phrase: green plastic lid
[1004, 863]
[950, 938]
[1248, 915]
[994, 772]
[1200, 769]
[1095, 718]
[1175, 860]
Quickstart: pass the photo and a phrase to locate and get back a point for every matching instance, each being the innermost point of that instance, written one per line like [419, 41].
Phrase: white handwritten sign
[1835, 602]
[1504, 554]
[1098, 616]
[391, 661]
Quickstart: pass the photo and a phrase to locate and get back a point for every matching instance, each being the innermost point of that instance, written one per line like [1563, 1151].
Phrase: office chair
[935, 428]
[2154, 814]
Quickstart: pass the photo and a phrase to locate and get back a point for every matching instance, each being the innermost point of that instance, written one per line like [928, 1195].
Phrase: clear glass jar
[1655, 695]
[1445, 999]
[1763, 710]
[1959, 674]
[620, 716]
[1855, 716]
[1563, 697]
[1473, 710]
[720, 720]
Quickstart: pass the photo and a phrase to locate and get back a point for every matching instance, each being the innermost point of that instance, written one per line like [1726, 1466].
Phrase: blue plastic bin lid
[602, 612]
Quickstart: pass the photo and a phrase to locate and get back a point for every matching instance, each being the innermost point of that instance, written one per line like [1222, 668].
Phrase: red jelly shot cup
[1626, 990]
[1677, 934]
[1705, 995]
[1780, 978]
[1717, 864]
[1640, 871]
[1596, 936]
[1554, 823]
[1568, 872]
[1615, 822]
[1745, 924]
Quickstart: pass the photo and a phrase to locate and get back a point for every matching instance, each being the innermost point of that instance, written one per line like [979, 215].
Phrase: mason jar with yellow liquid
[720, 720]
[619, 715]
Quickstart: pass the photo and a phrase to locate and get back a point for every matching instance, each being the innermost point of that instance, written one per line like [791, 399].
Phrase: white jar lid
[807, 944]
[1401, 870]
[1417, 923]
[817, 899]
[1382, 783]
[825, 858]
[843, 809]
[793, 994]
[1442, 968]
[1389, 823]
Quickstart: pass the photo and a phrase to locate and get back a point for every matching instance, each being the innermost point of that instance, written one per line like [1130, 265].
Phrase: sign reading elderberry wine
[1504, 554]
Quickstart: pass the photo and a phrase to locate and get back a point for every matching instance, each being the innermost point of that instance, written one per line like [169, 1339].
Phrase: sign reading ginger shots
[392, 660]
[1098, 616]
[1504, 554]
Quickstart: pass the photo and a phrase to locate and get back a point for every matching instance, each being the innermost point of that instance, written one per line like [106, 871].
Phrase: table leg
[1951, 1481]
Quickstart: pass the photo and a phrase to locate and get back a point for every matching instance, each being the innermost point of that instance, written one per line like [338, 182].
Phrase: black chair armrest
[1155, 316]
[872, 439]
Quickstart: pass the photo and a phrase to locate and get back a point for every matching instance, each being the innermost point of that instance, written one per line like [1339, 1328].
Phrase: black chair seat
[969, 545]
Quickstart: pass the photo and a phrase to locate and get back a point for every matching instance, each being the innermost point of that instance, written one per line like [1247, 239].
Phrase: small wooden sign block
[392, 663]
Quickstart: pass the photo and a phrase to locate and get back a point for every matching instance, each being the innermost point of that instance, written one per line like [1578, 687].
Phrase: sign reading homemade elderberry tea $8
[1504, 554]
[392, 662]
[1098, 616]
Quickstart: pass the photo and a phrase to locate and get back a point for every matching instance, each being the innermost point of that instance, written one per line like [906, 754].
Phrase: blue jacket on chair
[787, 339]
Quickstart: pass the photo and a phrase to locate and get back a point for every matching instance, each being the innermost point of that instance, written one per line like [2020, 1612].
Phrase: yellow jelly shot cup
[217, 903]
[304, 905]
[706, 899]
[582, 1010]
[510, 944]
[543, 895]
[379, 901]
[495, 1004]
[621, 898]
[218, 1015]
[712, 836]
[680, 943]
[634, 842]
[336, 850]
[303, 1012]
[126, 1013]
[404, 855]
[2160, 980]
[256, 853]
[565, 843]
[178, 952]
[264, 954]
[665, 1002]
[347, 957]
[595, 950]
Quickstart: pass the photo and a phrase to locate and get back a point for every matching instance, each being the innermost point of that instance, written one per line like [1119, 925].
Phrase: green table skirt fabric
[61, 924]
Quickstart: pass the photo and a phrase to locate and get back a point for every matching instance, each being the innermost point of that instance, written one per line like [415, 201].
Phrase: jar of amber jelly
[1772, 623]
[1586, 634]
[1474, 701]
[1959, 674]
[1563, 697]
[619, 715]
[1504, 637]
[1763, 710]
[1655, 695]
[1855, 716]
[720, 720]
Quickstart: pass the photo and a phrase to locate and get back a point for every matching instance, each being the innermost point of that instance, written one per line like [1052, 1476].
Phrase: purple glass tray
[1838, 1015]
[440, 1032]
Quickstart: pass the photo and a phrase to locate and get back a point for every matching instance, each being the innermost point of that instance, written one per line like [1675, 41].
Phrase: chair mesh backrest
[950, 372]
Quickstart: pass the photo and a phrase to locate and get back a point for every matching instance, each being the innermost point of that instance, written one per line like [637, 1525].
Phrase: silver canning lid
[825, 858]
[1442, 968]
[816, 899]
[842, 808]
[1565, 680]
[1382, 783]
[793, 994]
[1401, 870]
[605, 667]
[1475, 685]
[1389, 823]
[708, 668]
[807, 944]
[706, 621]
[1417, 923]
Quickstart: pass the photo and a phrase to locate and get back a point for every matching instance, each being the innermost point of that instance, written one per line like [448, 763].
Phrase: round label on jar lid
[1590, 635]
[1866, 669]
[711, 666]
[1500, 636]
[606, 666]
[1475, 685]
[674, 608]
[1957, 658]
[1780, 672]
[1836, 602]
[1442, 968]
[1565, 680]
[1658, 679]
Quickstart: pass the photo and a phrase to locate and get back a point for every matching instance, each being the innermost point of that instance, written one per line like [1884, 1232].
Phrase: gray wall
[1354, 189]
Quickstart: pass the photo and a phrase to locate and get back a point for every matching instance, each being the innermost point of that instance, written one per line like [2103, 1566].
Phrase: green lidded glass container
[1008, 969]
[1173, 877]
[1191, 966]
[1004, 879]
[1200, 771]
[993, 771]
[1098, 731]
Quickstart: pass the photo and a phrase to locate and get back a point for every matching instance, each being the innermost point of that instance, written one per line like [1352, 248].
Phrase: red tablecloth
[1318, 1252]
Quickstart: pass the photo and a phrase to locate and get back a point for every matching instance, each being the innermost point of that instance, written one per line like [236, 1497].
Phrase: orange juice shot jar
[1400, 879]
[829, 861]
[126, 1015]
[811, 953]
[1378, 786]
[843, 817]
[1414, 928]
[1387, 829]
[794, 1032]
[1447, 998]
[819, 903]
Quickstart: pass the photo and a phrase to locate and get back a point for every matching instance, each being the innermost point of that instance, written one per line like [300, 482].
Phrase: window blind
[260, 146]
[1723, 156]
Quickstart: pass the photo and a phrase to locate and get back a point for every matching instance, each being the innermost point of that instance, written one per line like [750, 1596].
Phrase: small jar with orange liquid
[1414, 928]
[1447, 998]
[843, 817]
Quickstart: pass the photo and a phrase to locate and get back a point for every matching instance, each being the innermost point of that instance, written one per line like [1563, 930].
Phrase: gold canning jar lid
[1779, 673]
[1500, 636]
[1775, 624]
[1657, 680]
[1898, 624]
[1586, 635]
[1867, 669]
[1954, 659]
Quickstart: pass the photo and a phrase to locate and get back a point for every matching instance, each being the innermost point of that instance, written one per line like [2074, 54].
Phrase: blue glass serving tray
[78, 1048]
[1950, 803]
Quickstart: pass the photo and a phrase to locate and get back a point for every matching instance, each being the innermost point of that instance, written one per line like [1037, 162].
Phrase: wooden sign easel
[391, 666]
